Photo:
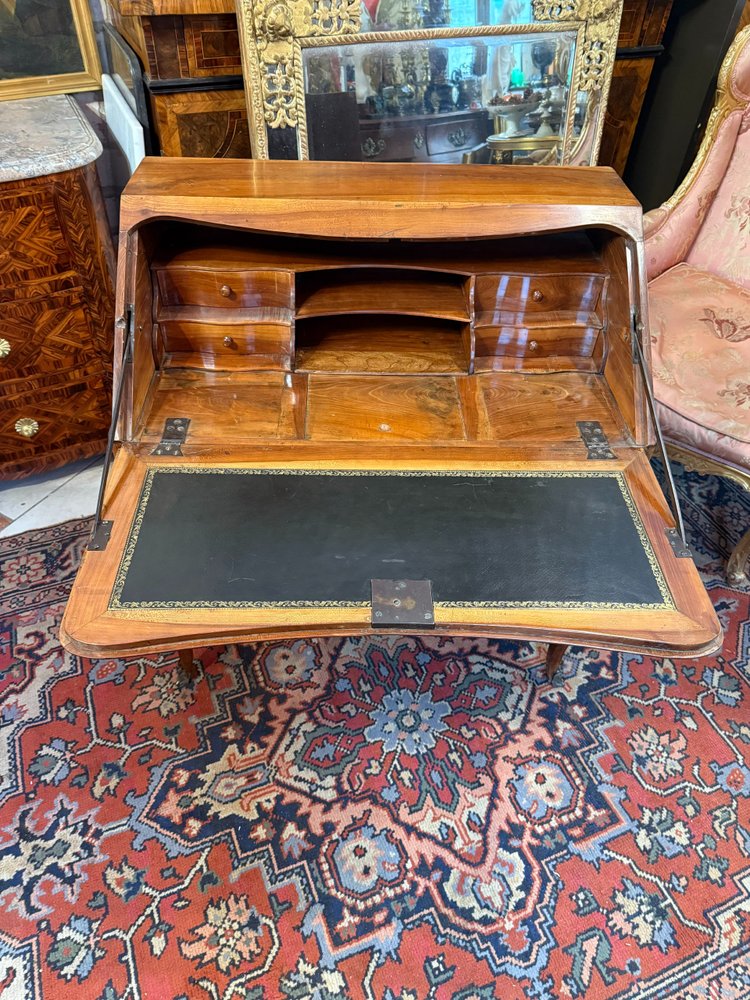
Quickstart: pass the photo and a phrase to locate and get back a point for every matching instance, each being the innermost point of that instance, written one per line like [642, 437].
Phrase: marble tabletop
[44, 135]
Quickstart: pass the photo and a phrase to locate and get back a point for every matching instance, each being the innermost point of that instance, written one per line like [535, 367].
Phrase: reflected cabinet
[517, 81]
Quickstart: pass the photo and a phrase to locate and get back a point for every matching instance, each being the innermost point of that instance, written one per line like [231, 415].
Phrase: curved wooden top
[379, 200]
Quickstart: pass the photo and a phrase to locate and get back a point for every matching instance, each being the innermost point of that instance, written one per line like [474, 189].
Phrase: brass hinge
[100, 537]
[173, 436]
[680, 547]
[595, 440]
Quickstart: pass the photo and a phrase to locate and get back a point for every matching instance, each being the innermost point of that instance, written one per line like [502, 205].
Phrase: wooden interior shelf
[380, 344]
[379, 290]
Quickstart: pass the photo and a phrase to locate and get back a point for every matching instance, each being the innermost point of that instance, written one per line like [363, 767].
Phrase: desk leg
[555, 653]
[187, 663]
[738, 559]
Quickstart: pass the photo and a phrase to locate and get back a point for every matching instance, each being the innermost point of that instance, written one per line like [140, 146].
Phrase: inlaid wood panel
[626, 95]
[48, 334]
[31, 236]
[639, 44]
[56, 318]
[643, 22]
[72, 417]
[192, 46]
[202, 123]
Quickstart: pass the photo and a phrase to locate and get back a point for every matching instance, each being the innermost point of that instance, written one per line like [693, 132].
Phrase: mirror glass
[483, 99]
[396, 15]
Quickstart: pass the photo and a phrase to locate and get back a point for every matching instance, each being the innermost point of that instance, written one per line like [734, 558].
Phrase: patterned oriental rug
[396, 819]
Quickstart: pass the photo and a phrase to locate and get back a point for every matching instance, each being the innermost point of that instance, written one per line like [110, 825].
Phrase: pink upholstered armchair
[698, 259]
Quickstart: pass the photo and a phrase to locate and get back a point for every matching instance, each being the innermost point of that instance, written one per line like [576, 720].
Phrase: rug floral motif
[390, 818]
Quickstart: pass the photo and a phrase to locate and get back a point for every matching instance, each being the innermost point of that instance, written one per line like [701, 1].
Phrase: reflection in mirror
[397, 15]
[492, 99]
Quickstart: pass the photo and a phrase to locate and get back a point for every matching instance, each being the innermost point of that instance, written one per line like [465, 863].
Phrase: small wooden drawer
[225, 288]
[533, 343]
[389, 141]
[451, 136]
[225, 346]
[538, 294]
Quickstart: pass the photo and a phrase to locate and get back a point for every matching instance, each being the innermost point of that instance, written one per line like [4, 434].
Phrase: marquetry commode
[357, 397]
[56, 294]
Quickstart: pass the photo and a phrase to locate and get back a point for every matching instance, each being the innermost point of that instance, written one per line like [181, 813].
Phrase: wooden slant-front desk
[383, 396]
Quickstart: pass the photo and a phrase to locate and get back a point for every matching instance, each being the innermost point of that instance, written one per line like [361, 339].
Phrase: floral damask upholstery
[700, 349]
[698, 262]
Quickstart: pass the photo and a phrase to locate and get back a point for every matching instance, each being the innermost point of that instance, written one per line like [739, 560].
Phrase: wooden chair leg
[737, 562]
[187, 663]
[555, 653]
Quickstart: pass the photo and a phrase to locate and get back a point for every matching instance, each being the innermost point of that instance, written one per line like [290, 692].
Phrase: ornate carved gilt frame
[696, 461]
[273, 34]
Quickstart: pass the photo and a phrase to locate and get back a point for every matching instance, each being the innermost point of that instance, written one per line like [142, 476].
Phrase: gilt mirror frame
[274, 35]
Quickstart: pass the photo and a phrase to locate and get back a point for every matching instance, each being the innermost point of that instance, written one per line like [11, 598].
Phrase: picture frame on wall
[47, 47]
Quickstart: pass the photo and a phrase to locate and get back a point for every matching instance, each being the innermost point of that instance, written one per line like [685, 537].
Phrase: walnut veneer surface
[56, 308]
[392, 318]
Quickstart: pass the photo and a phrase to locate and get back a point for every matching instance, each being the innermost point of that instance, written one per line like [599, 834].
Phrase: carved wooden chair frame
[273, 34]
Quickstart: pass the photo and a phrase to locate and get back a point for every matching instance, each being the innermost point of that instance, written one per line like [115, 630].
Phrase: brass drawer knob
[4, 347]
[537, 296]
[27, 427]
[229, 342]
[226, 291]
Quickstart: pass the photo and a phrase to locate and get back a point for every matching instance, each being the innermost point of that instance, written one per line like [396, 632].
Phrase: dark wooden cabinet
[191, 56]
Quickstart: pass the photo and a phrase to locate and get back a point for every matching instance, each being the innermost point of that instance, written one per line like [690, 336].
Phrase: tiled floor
[50, 497]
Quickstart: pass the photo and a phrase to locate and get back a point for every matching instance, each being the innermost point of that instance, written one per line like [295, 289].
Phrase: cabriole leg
[555, 653]
[187, 663]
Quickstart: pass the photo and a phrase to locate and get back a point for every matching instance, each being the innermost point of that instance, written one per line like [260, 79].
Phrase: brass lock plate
[402, 603]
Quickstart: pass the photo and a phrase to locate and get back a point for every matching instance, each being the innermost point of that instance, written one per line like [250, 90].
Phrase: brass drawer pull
[4, 347]
[226, 291]
[27, 427]
[372, 148]
[229, 342]
[537, 296]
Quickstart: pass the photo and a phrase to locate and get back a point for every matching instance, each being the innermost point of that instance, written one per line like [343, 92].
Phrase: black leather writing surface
[226, 537]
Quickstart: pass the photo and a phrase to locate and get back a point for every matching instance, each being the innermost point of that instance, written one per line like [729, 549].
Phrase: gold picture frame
[276, 36]
[73, 24]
